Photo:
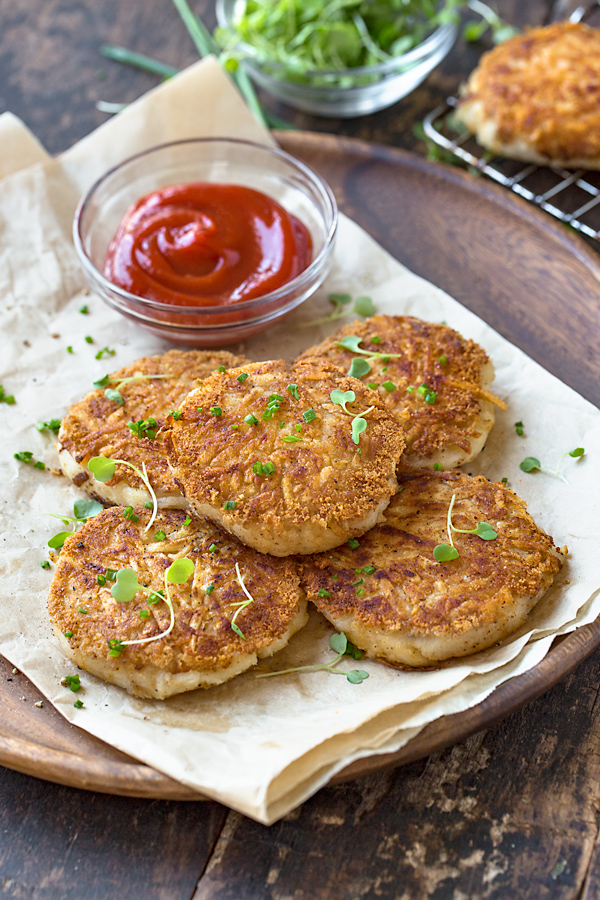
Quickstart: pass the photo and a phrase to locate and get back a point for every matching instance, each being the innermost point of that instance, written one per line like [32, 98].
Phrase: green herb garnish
[6, 398]
[531, 464]
[103, 469]
[446, 552]
[230, 504]
[105, 351]
[242, 604]
[519, 428]
[51, 425]
[340, 645]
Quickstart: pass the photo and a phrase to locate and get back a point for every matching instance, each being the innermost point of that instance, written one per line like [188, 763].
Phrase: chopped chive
[235, 426]
[431, 397]
[423, 390]
[222, 369]
[149, 504]
[68, 634]
[369, 570]
[323, 593]
[504, 480]
[438, 467]
[101, 580]
[175, 414]
[187, 520]
[372, 385]
[410, 389]
[212, 548]
[353, 543]
[443, 359]
[78, 704]
[291, 438]
[298, 427]
[375, 339]
[293, 389]
[251, 420]
[159, 535]
[129, 514]
[84, 310]
[72, 682]
[229, 504]
[82, 610]
[241, 378]
[39, 465]
[519, 428]
[45, 564]
[359, 591]
[310, 415]
[144, 613]
[216, 411]
[357, 583]
[209, 588]
[69, 349]
[257, 468]
[89, 339]
[389, 386]
[268, 468]
[282, 424]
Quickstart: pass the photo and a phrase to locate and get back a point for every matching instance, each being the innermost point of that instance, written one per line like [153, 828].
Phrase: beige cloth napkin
[262, 747]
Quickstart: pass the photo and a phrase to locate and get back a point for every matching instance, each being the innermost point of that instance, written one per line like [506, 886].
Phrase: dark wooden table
[512, 812]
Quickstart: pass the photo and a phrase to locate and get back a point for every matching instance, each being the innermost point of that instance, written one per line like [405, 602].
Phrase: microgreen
[103, 468]
[519, 428]
[114, 394]
[353, 543]
[240, 605]
[126, 587]
[446, 552]
[82, 511]
[6, 398]
[359, 368]
[293, 389]
[51, 425]
[341, 646]
[362, 306]
[351, 342]
[359, 423]
[532, 464]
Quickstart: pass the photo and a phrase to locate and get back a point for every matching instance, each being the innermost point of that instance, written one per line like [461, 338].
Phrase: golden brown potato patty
[97, 426]
[202, 649]
[536, 97]
[434, 380]
[393, 598]
[264, 450]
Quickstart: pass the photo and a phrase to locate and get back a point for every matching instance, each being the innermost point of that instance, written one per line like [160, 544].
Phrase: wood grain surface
[511, 812]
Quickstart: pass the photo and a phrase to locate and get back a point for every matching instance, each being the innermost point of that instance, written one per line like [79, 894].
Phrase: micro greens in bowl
[103, 469]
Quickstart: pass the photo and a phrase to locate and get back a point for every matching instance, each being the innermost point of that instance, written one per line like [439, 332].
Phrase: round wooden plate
[521, 271]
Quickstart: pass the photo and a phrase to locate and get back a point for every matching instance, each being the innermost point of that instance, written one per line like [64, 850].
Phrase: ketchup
[206, 244]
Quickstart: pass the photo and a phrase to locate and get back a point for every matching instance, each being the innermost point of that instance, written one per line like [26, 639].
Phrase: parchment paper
[260, 746]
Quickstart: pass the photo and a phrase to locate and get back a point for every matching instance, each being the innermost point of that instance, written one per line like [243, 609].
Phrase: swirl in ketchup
[206, 244]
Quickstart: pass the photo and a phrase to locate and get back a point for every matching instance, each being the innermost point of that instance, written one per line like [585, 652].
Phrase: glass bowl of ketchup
[206, 241]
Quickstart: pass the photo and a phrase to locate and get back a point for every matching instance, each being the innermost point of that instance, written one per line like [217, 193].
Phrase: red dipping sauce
[206, 244]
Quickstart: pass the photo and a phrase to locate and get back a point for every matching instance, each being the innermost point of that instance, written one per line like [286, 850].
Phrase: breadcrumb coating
[97, 426]
[202, 641]
[435, 381]
[263, 450]
[409, 608]
[536, 97]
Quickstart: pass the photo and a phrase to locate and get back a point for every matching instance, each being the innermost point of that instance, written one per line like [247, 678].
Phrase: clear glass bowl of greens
[346, 58]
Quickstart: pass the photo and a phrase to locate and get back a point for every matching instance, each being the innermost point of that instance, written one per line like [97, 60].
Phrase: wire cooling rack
[571, 196]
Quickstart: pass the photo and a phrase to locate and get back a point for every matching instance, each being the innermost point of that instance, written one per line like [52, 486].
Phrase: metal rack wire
[571, 196]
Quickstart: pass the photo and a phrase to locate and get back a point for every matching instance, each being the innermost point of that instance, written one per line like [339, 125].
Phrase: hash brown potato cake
[395, 601]
[97, 426]
[435, 381]
[265, 452]
[202, 649]
[536, 97]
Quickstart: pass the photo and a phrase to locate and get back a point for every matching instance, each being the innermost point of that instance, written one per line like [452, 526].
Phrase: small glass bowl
[294, 185]
[327, 93]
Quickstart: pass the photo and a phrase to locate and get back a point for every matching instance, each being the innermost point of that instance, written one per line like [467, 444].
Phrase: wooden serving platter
[526, 275]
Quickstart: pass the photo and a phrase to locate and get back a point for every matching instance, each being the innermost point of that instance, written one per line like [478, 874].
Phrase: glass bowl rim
[256, 302]
[382, 68]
